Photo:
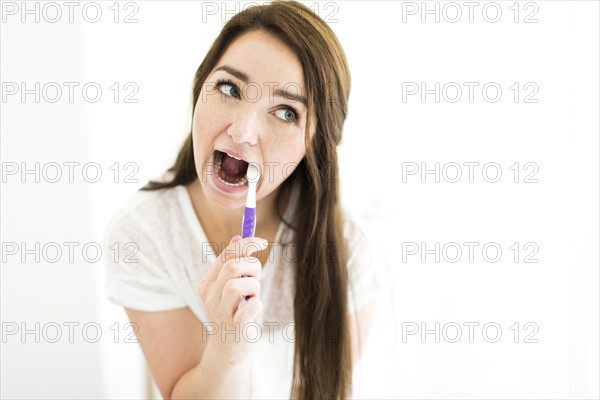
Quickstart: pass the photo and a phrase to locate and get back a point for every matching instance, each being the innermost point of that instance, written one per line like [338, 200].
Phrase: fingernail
[235, 238]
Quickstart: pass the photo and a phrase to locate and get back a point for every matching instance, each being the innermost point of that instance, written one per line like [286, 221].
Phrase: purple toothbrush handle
[249, 222]
[248, 226]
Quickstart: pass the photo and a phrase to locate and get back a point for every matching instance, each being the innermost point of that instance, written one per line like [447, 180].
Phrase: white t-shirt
[173, 253]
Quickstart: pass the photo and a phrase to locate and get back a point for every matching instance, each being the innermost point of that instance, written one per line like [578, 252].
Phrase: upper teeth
[243, 181]
[234, 157]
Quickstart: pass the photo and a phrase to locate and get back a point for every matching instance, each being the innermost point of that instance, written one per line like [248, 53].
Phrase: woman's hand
[230, 291]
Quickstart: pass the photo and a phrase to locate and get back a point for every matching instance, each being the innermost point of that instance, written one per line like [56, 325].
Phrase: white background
[388, 50]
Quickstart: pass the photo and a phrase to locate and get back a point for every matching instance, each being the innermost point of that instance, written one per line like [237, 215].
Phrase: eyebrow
[276, 92]
[237, 73]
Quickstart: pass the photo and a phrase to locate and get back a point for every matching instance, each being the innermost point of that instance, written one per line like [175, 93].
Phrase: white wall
[57, 295]
[159, 54]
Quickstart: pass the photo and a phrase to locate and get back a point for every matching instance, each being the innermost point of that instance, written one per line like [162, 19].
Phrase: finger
[235, 238]
[214, 270]
[247, 311]
[236, 268]
[235, 290]
[243, 248]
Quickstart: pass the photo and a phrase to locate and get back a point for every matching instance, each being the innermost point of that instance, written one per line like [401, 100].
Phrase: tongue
[233, 169]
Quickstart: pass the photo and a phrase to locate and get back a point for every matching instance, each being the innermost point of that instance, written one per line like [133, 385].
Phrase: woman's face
[253, 108]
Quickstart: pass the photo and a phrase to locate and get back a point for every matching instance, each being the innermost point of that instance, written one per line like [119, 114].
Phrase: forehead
[265, 59]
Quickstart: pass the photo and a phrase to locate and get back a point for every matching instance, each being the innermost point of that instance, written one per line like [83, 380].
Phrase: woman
[272, 90]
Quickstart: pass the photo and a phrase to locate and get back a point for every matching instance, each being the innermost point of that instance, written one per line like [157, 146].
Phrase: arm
[187, 362]
[360, 327]
[182, 363]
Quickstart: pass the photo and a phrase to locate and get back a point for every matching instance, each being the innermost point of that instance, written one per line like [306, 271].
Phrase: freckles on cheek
[203, 120]
[197, 118]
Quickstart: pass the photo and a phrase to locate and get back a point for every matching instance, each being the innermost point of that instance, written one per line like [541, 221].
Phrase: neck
[219, 223]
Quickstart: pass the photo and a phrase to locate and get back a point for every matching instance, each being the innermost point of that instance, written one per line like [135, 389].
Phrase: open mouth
[230, 170]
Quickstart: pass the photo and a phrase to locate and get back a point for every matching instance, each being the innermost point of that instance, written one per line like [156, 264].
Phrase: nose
[247, 126]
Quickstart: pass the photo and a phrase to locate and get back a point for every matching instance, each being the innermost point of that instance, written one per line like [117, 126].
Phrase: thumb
[234, 239]
[214, 271]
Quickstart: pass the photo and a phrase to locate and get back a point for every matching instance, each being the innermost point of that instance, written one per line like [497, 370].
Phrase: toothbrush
[249, 219]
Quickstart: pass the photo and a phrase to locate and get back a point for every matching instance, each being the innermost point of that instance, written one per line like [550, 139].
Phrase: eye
[287, 114]
[228, 89]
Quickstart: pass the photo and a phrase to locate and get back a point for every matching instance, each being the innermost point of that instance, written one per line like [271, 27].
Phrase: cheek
[201, 114]
[201, 134]
[197, 117]
[286, 158]
[206, 121]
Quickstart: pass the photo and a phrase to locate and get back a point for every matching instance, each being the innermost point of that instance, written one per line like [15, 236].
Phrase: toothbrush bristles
[253, 173]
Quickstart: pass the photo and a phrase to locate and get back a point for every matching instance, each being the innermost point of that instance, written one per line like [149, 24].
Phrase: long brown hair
[322, 361]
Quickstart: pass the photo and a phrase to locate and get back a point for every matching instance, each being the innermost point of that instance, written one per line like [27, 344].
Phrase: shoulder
[367, 271]
[142, 270]
[145, 213]
[360, 247]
